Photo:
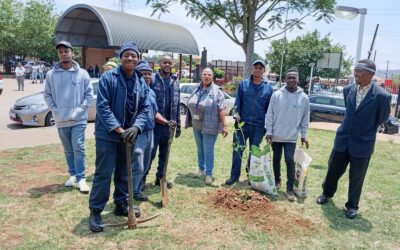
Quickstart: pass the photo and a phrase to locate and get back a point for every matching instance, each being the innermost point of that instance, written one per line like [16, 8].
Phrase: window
[339, 102]
[321, 100]
[95, 87]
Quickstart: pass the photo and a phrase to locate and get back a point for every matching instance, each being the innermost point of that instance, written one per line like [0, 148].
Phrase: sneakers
[351, 213]
[70, 182]
[95, 221]
[140, 197]
[278, 184]
[322, 199]
[290, 195]
[230, 181]
[200, 172]
[121, 209]
[157, 183]
[209, 180]
[83, 187]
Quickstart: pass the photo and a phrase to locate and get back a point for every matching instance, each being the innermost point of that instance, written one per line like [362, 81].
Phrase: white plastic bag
[302, 160]
[261, 174]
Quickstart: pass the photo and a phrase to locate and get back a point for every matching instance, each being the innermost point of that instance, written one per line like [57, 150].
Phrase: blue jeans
[34, 76]
[255, 135]
[161, 136]
[110, 157]
[140, 157]
[205, 150]
[289, 149]
[41, 76]
[73, 141]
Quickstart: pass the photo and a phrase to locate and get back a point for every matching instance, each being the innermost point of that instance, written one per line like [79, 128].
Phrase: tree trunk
[248, 45]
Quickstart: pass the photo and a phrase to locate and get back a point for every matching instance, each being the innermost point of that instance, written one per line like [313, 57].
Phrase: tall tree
[248, 21]
[304, 50]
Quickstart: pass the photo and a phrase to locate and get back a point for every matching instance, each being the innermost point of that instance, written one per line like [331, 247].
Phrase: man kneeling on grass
[288, 113]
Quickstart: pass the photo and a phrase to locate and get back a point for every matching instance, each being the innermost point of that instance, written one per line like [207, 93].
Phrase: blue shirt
[152, 111]
[167, 82]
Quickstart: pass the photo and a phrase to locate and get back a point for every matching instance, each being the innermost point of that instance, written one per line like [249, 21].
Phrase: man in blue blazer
[367, 106]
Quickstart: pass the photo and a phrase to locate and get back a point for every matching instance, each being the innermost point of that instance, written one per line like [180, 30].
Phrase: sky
[386, 13]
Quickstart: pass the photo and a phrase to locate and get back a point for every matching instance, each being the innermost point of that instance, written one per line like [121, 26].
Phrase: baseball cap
[65, 44]
[259, 62]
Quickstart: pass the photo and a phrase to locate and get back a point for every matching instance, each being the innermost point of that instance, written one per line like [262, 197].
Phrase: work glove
[171, 124]
[130, 134]
[178, 132]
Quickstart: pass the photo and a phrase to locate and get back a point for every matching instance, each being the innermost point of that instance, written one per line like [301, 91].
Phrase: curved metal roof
[90, 26]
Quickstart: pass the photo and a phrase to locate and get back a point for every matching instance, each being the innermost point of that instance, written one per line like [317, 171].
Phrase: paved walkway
[16, 136]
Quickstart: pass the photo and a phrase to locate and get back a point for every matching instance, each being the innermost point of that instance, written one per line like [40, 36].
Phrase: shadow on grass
[338, 220]
[190, 180]
[38, 192]
[316, 166]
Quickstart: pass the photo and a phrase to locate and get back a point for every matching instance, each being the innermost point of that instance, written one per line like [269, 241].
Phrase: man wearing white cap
[367, 107]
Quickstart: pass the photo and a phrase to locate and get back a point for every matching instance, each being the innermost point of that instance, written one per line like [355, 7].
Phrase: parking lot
[17, 136]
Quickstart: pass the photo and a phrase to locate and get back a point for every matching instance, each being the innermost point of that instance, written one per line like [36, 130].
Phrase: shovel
[132, 221]
[163, 181]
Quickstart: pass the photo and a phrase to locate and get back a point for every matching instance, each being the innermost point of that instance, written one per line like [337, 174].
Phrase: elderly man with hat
[367, 107]
[122, 113]
[69, 93]
[251, 105]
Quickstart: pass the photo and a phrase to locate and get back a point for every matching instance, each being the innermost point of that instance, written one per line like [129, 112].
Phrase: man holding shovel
[122, 111]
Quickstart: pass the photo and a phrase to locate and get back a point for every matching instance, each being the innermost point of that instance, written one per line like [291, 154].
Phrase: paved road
[17, 136]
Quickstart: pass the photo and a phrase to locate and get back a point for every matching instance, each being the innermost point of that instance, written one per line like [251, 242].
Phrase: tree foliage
[304, 50]
[248, 21]
[27, 28]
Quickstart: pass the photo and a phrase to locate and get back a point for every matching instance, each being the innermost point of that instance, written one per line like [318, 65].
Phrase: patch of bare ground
[9, 239]
[257, 210]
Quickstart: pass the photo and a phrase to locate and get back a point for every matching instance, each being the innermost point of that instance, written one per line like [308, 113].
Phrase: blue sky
[384, 12]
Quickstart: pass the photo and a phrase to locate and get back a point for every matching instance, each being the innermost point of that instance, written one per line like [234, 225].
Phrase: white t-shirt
[19, 71]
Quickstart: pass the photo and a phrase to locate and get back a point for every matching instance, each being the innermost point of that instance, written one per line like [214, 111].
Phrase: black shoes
[157, 183]
[230, 181]
[121, 209]
[95, 221]
[322, 199]
[351, 213]
[140, 197]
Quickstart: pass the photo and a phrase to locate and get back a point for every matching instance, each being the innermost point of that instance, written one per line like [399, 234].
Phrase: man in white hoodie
[288, 114]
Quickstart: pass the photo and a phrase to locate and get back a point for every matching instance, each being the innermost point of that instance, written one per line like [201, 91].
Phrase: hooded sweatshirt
[288, 113]
[68, 93]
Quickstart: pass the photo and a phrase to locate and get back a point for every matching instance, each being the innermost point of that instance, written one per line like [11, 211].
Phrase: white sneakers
[81, 185]
[70, 182]
[200, 172]
[209, 180]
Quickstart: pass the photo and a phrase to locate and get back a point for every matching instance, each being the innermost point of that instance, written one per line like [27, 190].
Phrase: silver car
[186, 91]
[32, 110]
[1, 84]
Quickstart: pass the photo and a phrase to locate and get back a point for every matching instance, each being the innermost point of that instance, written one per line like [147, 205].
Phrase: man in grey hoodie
[288, 114]
[69, 93]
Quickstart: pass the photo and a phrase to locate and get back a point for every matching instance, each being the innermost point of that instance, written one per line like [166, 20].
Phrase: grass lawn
[37, 212]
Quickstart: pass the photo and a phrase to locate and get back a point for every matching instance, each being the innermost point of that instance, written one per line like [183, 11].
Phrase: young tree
[304, 50]
[248, 21]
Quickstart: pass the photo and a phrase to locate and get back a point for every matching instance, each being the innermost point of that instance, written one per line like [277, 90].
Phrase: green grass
[37, 212]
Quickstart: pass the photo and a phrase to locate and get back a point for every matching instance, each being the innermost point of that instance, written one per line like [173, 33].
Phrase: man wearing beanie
[122, 112]
[367, 107]
[69, 93]
[166, 87]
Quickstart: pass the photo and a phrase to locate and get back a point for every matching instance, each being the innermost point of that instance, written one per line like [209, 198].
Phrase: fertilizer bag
[302, 160]
[260, 174]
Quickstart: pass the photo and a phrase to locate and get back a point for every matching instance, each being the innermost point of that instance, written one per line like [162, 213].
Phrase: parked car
[1, 84]
[186, 91]
[32, 110]
[331, 108]
[28, 69]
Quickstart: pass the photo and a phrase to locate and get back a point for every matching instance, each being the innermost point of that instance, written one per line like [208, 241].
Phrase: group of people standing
[136, 105]
[38, 72]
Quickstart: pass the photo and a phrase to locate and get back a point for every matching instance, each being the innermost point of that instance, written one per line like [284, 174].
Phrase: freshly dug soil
[257, 210]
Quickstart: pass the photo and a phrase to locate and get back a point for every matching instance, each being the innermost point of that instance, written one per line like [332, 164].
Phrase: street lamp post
[350, 13]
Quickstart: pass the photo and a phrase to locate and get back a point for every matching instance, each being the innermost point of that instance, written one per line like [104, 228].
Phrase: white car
[186, 91]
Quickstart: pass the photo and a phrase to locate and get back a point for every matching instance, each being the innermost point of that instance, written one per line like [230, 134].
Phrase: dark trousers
[289, 149]
[337, 165]
[161, 136]
[255, 135]
[110, 156]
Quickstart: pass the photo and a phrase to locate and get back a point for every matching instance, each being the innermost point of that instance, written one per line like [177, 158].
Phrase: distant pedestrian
[20, 76]
[206, 114]
[251, 105]
[288, 114]
[35, 72]
[42, 71]
[68, 93]
[96, 71]
[91, 71]
[367, 107]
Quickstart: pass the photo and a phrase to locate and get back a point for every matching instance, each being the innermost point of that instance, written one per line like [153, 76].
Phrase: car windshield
[95, 87]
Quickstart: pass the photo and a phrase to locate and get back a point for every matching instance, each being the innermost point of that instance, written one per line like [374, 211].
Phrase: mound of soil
[256, 209]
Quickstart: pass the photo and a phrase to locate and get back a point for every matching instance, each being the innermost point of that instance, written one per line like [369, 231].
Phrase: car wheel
[382, 129]
[49, 120]
[182, 109]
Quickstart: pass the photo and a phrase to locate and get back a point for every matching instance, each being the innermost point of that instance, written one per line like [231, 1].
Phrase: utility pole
[284, 45]
[373, 42]
[121, 4]
[387, 70]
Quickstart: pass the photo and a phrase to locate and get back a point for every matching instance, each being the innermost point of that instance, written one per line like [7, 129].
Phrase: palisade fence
[394, 90]
[231, 69]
